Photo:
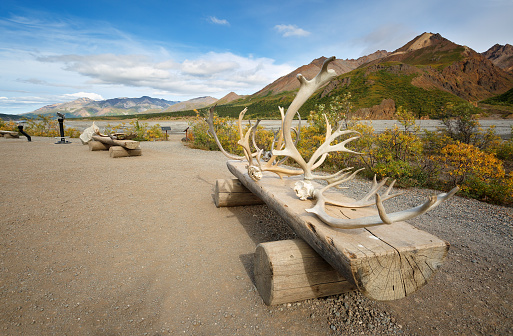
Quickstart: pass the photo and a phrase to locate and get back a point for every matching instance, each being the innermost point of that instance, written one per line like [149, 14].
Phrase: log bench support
[290, 270]
[117, 151]
[386, 262]
[232, 192]
[97, 146]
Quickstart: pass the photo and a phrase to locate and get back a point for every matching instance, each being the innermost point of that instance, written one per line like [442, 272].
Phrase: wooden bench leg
[231, 192]
[118, 151]
[97, 146]
[290, 270]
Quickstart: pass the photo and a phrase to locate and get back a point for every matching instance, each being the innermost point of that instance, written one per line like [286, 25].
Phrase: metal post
[20, 128]
[61, 128]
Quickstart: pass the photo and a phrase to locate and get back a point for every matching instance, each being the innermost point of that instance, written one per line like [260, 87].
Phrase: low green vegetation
[505, 99]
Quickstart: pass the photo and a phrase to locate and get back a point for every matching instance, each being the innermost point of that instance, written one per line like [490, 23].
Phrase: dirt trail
[95, 245]
[92, 245]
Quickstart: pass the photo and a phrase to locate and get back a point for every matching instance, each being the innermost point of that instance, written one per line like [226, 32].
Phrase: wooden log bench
[128, 144]
[9, 134]
[97, 146]
[117, 148]
[384, 262]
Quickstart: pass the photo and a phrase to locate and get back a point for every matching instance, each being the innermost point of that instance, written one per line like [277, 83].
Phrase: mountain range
[423, 75]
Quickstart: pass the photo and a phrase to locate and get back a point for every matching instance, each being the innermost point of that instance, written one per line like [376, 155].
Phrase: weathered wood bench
[117, 148]
[384, 262]
[9, 134]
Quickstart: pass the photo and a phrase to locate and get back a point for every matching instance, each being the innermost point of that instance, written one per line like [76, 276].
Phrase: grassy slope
[505, 99]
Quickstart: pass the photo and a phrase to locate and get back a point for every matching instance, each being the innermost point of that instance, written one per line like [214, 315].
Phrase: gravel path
[92, 245]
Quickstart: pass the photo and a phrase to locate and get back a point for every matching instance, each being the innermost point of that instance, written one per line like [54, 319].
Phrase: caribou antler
[366, 200]
[210, 122]
[306, 89]
[382, 218]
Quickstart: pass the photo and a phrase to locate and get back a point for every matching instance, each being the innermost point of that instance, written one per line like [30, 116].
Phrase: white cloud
[207, 74]
[205, 67]
[291, 30]
[90, 95]
[217, 21]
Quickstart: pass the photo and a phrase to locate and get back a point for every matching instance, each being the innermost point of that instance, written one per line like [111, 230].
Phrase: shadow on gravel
[262, 225]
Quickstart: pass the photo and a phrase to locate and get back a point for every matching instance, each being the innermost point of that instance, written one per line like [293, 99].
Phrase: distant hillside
[6, 117]
[501, 56]
[230, 97]
[85, 107]
[289, 82]
[503, 99]
[191, 104]
[421, 76]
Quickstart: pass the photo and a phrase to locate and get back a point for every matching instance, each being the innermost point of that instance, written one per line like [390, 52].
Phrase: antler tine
[375, 187]
[365, 201]
[307, 88]
[210, 122]
[386, 195]
[341, 179]
[244, 142]
[431, 203]
[254, 133]
[382, 218]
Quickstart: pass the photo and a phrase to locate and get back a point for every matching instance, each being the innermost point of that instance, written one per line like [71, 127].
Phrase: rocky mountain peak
[501, 56]
[228, 98]
[425, 40]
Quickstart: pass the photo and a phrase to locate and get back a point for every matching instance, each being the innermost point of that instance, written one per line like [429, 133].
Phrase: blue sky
[57, 51]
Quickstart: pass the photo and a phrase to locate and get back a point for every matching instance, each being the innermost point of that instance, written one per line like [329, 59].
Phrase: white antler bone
[306, 89]
[366, 201]
[382, 218]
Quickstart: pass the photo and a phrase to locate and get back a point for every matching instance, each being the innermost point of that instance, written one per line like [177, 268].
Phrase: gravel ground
[134, 246]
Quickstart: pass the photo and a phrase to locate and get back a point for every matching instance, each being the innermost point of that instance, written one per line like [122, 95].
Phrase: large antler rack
[255, 166]
[286, 148]
[306, 89]
[382, 217]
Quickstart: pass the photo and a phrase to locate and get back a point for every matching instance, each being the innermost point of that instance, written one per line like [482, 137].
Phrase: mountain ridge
[423, 75]
[428, 67]
[501, 55]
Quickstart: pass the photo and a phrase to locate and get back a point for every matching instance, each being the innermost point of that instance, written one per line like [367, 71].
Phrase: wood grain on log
[128, 144]
[384, 262]
[97, 146]
[232, 192]
[290, 270]
[117, 151]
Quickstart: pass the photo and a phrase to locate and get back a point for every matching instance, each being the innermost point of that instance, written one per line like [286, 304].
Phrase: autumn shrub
[505, 150]
[45, 126]
[227, 131]
[479, 174]
[460, 121]
[8, 126]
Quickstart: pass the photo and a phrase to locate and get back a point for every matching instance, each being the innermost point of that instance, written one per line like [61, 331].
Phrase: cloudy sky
[57, 51]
